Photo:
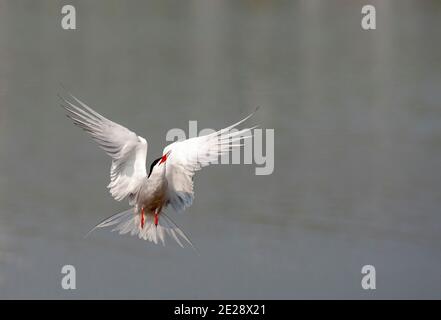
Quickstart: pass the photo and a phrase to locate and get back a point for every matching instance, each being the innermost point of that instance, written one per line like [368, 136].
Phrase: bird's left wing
[186, 157]
[127, 150]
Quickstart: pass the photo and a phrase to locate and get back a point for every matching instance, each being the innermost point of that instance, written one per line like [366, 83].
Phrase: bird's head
[158, 163]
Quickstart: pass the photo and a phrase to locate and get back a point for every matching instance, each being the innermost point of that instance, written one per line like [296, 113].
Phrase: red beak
[164, 157]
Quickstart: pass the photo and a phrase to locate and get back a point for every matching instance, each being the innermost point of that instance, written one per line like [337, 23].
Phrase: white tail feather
[129, 221]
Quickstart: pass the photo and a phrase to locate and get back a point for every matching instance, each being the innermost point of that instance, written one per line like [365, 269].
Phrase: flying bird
[169, 180]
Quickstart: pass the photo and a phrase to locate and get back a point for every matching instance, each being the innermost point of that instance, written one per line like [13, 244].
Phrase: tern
[169, 181]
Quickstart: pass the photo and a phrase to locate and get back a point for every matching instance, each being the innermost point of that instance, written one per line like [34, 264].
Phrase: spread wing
[188, 156]
[128, 150]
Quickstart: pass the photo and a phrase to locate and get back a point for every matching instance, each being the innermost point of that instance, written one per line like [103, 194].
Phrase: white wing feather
[128, 150]
[188, 156]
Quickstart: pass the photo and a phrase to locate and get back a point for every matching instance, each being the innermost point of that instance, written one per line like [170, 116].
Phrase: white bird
[169, 181]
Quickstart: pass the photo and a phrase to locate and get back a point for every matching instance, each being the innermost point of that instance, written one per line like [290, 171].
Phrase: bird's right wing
[186, 157]
[128, 150]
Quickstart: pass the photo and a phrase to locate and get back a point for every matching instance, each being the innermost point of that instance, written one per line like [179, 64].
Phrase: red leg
[142, 218]
[156, 219]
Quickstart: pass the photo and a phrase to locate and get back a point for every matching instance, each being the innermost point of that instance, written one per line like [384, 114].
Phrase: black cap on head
[152, 165]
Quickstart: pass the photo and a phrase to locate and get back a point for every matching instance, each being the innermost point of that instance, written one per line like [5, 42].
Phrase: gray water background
[357, 120]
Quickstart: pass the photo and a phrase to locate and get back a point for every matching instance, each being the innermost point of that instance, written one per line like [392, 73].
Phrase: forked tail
[129, 222]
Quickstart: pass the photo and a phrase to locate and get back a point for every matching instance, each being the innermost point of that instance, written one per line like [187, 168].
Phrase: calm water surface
[357, 120]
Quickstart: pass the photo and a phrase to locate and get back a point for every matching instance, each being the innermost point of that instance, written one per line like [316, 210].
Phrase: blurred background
[357, 123]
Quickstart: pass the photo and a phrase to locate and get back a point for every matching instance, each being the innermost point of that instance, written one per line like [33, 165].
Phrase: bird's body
[152, 194]
[170, 180]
